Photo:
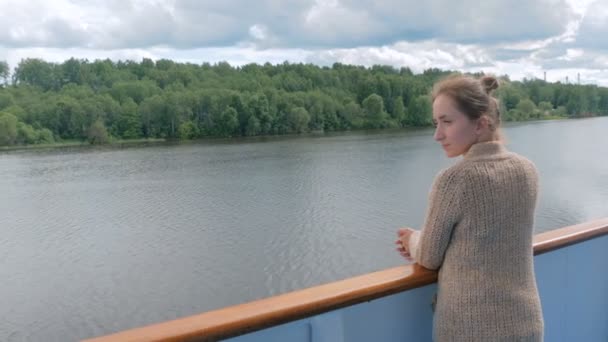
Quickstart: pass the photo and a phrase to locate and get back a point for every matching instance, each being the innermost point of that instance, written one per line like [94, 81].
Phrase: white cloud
[234, 55]
[417, 56]
[520, 38]
[572, 54]
[580, 6]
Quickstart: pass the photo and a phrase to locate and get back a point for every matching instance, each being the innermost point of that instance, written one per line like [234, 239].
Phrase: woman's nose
[438, 136]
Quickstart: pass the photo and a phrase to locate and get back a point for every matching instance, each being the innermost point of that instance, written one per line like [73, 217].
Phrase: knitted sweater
[478, 233]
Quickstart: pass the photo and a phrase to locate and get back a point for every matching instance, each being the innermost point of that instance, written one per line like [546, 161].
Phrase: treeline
[43, 102]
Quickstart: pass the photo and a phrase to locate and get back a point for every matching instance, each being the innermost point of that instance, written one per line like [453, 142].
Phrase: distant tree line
[43, 102]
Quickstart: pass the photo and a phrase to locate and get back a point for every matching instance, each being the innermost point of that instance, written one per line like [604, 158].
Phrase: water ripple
[97, 241]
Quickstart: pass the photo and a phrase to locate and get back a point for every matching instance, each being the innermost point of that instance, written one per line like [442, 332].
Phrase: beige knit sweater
[478, 233]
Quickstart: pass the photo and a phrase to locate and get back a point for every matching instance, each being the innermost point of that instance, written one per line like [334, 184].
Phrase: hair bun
[489, 83]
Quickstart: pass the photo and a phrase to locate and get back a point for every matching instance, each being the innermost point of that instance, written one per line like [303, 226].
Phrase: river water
[98, 240]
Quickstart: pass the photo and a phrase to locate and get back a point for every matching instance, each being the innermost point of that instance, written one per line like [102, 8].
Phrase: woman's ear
[483, 125]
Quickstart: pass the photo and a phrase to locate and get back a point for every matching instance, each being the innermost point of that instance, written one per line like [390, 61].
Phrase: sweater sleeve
[442, 215]
[413, 243]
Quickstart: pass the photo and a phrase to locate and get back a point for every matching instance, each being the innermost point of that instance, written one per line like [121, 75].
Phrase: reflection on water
[100, 240]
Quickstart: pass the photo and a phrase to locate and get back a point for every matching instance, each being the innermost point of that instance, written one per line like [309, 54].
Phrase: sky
[520, 38]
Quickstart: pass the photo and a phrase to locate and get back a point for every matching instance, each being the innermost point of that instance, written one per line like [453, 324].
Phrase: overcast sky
[521, 38]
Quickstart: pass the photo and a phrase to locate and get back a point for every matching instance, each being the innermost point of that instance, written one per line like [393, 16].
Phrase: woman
[478, 227]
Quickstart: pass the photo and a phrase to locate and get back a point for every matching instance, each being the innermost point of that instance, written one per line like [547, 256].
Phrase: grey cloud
[153, 24]
[594, 27]
[50, 30]
[465, 21]
[63, 32]
[551, 52]
[187, 24]
[590, 59]
[352, 23]
[134, 27]
[297, 23]
[510, 54]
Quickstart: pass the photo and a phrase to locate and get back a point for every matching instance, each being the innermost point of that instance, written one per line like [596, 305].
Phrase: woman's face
[454, 130]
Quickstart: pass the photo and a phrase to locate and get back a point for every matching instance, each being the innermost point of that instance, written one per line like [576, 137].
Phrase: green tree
[8, 129]
[298, 119]
[398, 113]
[70, 72]
[258, 106]
[373, 107]
[546, 93]
[26, 134]
[136, 90]
[5, 72]
[545, 108]
[98, 133]
[561, 111]
[128, 125]
[177, 110]
[527, 108]
[36, 72]
[188, 130]
[151, 110]
[316, 111]
[365, 87]
[509, 95]
[578, 103]
[167, 99]
[419, 113]
[69, 120]
[228, 122]
[45, 136]
[513, 115]
[253, 126]
[6, 100]
[352, 115]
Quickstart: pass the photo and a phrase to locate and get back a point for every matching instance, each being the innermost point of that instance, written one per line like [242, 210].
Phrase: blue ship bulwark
[571, 266]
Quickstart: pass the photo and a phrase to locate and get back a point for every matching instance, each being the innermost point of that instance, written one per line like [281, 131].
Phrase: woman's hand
[403, 242]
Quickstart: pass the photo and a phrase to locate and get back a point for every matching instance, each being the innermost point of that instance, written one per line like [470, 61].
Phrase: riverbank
[82, 144]
[122, 143]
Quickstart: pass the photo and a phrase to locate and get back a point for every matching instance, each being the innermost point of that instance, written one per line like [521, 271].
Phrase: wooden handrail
[563, 237]
[240, 319]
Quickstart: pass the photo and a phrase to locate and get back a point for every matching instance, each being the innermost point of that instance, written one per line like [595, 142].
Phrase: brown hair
[472, 96]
